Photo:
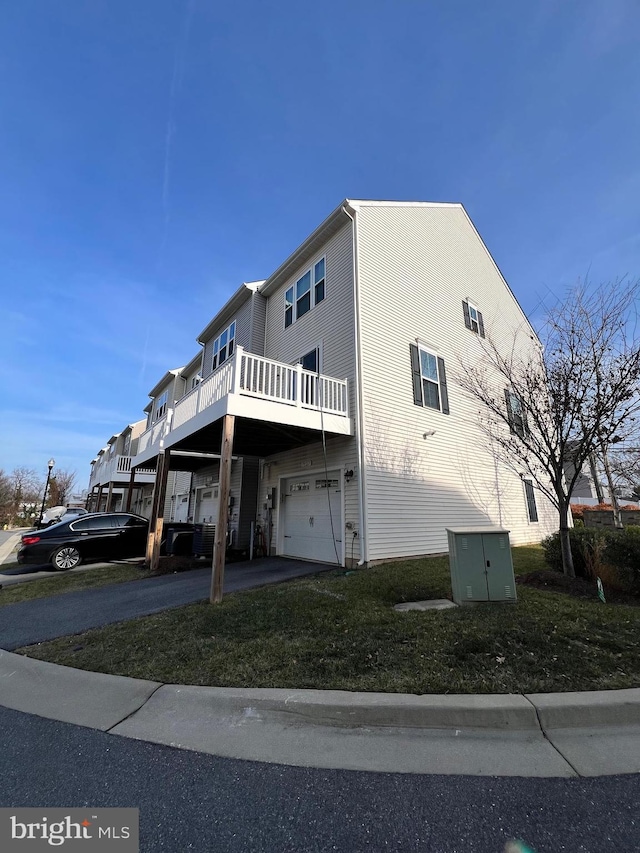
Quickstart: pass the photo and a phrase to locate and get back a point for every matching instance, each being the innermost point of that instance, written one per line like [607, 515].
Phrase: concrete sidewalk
[572, 734]
[9, 546]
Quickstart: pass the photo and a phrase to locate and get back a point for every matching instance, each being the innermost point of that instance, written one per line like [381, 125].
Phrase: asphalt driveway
[41, 619]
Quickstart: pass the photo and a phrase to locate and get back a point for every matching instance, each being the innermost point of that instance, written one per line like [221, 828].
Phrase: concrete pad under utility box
[70, 695]
[432, 604]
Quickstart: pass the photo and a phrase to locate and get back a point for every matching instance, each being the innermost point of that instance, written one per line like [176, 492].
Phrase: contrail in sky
[174, 91]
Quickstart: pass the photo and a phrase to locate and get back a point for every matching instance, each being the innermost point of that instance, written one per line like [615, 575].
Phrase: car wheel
[65, 558]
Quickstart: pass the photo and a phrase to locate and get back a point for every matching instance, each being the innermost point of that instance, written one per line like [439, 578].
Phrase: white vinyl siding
[331, 324]
[424, 471]
[243, 334]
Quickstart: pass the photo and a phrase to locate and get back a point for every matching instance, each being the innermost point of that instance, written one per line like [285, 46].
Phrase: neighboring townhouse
[334, 383]
[110, 478]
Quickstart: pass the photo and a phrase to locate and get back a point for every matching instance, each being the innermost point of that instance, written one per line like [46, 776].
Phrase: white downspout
[364, 547]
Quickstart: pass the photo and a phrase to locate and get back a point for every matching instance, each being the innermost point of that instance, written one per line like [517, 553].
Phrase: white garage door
[207, 506]
[181, 512]
[312, 517]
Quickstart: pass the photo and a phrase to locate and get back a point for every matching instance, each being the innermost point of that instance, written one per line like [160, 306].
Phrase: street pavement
[192, 801]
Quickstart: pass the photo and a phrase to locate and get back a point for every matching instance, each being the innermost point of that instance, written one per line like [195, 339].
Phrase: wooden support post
[156, 521]
[132, 479]
[220, 541]
[98, 499]
[109, 496]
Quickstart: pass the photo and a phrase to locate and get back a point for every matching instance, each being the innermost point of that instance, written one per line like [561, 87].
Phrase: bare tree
[25, 489]
[60, 487]
[574, 392]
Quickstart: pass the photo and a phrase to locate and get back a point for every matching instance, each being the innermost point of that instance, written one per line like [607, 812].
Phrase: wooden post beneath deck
[156, 521]
[98, 499]
[220, 541]
[109, 496]
[130, 492]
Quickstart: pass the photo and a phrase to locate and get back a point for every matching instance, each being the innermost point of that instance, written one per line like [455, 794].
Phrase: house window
[309, 290]
[472, 318]
[161, 406]
[429, 379]
[516, 414]
[532, 509]
[223, 346]
[195, 381]
[311, 361]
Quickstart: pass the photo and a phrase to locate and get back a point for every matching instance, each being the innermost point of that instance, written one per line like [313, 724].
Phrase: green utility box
[480, 563]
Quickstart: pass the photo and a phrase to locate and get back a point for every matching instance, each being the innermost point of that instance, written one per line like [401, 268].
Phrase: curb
[54, 691]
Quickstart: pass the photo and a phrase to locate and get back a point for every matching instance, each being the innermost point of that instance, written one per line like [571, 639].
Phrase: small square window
[472, 318]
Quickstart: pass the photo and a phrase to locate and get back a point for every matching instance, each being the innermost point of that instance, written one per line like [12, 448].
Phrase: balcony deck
[256, 389]
[117, 470]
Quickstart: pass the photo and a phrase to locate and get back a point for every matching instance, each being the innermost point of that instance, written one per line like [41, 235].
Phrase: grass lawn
[67, 582]
[339, 630]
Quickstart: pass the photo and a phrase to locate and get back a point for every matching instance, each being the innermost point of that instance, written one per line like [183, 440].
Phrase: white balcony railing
[114, 468]
[255, 376]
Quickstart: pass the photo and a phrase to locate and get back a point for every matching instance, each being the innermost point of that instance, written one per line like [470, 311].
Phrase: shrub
[623, 553]
[582, 540]
[612, 554]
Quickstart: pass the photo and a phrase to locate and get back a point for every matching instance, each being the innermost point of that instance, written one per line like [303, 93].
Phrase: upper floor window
[195, 381]
[429, 379]
[160, 408]
[126, 447]
[472, 318]
[224, 345]
[308, 291]
[516, 414]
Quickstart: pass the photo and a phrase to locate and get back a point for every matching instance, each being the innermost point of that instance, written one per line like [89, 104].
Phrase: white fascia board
[499, 271]
[244, 292]
[327, 227]
[168, 377]
[194, 364]
[356, 203]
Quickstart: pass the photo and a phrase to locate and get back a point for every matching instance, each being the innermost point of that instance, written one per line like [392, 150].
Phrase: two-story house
[334, 382]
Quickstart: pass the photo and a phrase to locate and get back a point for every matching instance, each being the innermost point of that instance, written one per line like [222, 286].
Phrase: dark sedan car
[95, 536]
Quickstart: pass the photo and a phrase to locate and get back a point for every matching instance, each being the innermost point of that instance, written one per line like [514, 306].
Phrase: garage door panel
[312, 517]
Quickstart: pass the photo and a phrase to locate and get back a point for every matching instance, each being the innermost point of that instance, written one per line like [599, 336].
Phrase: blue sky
[157, 153]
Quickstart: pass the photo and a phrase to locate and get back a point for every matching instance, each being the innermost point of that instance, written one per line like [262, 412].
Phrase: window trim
[468, 305]
[160, 408]
[418, 378]
[530, 500]
[230, 346]
[291, 298]
[518, 423]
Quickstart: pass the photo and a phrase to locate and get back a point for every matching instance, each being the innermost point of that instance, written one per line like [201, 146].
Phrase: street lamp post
[50, 465]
